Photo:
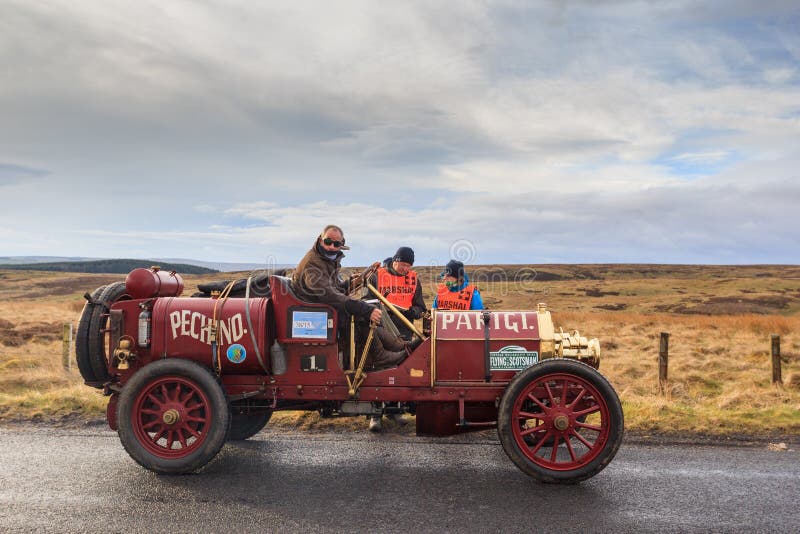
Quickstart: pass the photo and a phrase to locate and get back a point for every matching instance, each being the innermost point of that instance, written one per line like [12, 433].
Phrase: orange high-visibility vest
[454, 300]
[399, 290]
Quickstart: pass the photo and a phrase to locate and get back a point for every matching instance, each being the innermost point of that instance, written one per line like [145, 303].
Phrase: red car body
[278, 352]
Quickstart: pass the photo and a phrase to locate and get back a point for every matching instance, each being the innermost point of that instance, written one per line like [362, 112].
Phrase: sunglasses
[328, 241]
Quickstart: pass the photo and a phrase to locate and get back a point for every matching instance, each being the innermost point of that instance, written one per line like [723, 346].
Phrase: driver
[317, 279]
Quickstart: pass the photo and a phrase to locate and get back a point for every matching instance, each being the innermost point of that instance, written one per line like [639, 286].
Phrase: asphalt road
[82, 480]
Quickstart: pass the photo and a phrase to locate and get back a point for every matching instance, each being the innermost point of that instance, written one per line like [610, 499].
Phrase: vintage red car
[184, 375]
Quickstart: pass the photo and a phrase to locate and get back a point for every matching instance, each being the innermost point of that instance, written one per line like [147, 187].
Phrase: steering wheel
[367, 273]
[359, 281]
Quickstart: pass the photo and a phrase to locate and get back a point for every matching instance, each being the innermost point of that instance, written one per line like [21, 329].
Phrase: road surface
[82, 480]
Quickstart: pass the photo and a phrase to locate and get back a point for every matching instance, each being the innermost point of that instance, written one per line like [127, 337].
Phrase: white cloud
[237, 128]
[780, 76]
[702, 157]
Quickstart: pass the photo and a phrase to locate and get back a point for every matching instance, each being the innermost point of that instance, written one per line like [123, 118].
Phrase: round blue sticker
[237, 353]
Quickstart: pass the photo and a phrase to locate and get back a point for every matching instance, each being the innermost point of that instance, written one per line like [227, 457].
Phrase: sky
[485, 131]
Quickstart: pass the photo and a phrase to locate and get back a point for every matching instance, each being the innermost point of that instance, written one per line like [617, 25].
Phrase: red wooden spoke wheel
[173, 416]
[549, 409]
[560, 421]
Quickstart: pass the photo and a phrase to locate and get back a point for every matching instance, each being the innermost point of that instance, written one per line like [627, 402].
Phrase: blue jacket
[475, 304]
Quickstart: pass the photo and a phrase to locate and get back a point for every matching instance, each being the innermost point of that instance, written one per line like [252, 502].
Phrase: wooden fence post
[663, 361]
[776, 359]
[66, 345]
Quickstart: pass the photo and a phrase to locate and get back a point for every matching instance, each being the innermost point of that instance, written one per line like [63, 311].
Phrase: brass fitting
[561, 422]
[124, 354]
[171, 416]
[573, 345]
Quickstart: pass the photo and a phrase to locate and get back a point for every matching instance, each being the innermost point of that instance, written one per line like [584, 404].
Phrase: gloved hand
[426, 323]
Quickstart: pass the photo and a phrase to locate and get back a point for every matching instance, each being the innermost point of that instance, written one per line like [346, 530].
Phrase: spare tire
[82, 339]
[97, 354]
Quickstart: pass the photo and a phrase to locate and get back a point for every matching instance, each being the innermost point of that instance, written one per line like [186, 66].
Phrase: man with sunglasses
[317, 279]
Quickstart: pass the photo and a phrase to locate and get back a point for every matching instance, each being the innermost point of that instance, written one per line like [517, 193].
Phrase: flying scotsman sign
[512, 358]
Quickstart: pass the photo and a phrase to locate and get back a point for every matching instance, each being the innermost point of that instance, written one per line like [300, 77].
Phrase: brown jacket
[317, 279]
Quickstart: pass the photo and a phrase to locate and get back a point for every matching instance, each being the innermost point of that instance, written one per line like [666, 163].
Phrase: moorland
[720, 319]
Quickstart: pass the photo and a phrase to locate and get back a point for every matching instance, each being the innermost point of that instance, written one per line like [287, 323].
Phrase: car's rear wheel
[560, 421]
[173, 416]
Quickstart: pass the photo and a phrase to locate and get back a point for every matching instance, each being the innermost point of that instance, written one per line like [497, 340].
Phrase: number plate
[310, 324]
[313, 363]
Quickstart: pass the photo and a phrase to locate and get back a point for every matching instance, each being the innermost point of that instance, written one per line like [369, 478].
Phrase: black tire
[82, 340]
[567, 389]
[180, 443]
[247, 425]
[96, 336]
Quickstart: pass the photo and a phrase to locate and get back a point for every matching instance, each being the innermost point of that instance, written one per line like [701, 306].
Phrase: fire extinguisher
[145, 326]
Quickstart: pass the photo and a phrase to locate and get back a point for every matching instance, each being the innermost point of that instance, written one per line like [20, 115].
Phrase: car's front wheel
[560, 421]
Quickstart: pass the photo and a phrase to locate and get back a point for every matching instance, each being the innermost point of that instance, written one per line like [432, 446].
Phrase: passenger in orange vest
[455, 292]
[399, 283]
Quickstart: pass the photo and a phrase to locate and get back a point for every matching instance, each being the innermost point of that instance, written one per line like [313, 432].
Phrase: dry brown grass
[719, 371]
[720, 365]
